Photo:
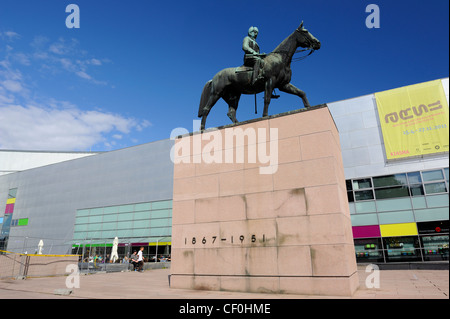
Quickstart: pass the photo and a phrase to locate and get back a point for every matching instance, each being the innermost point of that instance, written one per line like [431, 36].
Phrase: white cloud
[62, 55]
[94, 62]
[9, 35]
[13, 86]
[34, 127]
[29, 121]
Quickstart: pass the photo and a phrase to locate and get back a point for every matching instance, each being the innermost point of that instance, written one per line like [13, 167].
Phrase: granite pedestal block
[267, 212]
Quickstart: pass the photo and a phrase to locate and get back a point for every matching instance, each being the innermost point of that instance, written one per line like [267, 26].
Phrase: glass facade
[141, 224]
[400, 217]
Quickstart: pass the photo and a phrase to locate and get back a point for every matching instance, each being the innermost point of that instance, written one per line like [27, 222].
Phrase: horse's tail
[207, 90]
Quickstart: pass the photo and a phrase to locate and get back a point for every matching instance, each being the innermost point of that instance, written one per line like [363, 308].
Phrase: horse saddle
[243, 68]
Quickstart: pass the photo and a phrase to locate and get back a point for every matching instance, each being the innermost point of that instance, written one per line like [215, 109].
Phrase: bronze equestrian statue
[274, 73]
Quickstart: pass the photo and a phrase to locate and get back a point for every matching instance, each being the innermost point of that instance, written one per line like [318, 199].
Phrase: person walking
[140, 260]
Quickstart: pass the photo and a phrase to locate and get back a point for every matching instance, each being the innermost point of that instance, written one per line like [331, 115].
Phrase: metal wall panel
[49, 196]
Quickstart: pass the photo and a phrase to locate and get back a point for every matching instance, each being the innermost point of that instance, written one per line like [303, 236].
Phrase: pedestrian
[140, 260]
[134, 260]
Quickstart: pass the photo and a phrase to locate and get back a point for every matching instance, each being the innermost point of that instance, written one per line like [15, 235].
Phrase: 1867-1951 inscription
[232, 239]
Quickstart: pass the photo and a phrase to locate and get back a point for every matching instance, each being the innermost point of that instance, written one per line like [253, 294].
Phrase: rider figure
[252, 57]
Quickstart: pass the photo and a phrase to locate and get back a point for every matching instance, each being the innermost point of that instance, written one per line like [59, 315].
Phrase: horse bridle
[309, 43]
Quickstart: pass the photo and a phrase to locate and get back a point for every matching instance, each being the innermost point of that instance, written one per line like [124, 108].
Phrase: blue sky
[134, 70]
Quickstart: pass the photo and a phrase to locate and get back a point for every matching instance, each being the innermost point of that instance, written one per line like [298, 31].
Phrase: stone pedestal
[267, 212]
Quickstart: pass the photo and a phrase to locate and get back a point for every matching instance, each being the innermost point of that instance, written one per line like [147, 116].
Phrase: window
[433, 188]
[364, 195]
[391, 192]
[416, 190]
[362, 183]
[414, 177]
[402, 249]
[368, 250]
[435, 247]
[432, 175]
[389, 180]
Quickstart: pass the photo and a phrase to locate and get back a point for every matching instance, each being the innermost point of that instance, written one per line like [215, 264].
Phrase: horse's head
[306, 39]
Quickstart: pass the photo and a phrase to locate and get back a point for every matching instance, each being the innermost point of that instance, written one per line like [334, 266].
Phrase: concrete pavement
[154, 284]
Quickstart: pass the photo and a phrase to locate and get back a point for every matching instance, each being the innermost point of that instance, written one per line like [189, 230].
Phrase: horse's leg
[213, 98]
[267, 95]
[232, 100]
[291, 89]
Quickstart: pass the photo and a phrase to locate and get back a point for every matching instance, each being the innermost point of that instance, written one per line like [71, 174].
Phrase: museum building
[396, 167]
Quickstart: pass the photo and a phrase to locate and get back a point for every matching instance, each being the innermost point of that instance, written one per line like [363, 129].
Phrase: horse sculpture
[229, 84]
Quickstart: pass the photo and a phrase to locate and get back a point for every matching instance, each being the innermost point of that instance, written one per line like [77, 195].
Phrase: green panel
[23, 222]
[365, 207]
[125, 216]
[108, 234]
[91, 227]
[141, 223]
[162, 213]
[162, 222]
[431, 214]
[162, 205]
[126, 208]
[110, 210]
[419, 202]
[141, 232]
[159, 232]
[364, 219]
[142, 206]
[123, 233]
[109, 226]
[142, 215]
[79, 235]
[125, 225]
[93, 234]
[438, 201]
[82, 212]
[96, 211]
[78, 228]
[110, 218]
[95, 219]
[81, 220]
[394, 204]
[396, 217]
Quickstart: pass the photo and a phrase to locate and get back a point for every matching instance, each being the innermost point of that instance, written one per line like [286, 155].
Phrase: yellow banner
[414, 120]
